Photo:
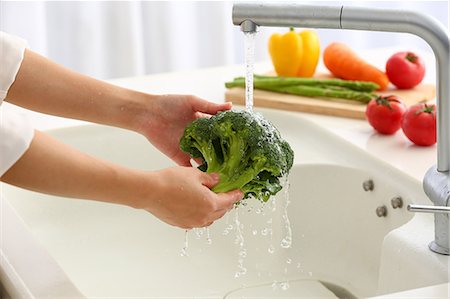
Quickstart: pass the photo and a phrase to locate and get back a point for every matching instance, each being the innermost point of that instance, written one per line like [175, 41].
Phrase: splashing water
[286, 242]
[284, 285]
[198, 232]
[249, 63]
[229, 227]
[208, 236]
[240, 242]
[185, 246]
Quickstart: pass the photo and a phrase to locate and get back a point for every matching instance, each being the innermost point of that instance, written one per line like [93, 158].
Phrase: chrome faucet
[436, 181]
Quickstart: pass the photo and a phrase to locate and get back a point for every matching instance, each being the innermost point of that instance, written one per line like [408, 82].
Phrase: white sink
[340, 247]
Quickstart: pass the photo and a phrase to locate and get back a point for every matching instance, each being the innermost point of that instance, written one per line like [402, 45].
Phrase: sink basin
[320, 236]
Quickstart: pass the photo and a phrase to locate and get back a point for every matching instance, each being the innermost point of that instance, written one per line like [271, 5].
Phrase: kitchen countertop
[208, 83]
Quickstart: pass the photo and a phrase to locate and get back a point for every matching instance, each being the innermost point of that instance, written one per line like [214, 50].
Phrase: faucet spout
[388, 20]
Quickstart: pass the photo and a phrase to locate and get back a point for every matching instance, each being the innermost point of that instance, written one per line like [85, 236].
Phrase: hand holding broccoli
[164, 117]
[245, 150]
[190, 203]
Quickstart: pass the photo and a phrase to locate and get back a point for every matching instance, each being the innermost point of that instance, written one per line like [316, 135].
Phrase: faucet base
[438, 249]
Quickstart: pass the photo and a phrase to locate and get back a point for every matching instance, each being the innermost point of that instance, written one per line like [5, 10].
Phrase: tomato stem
[411, 57]
[386, 100]
[426, 109]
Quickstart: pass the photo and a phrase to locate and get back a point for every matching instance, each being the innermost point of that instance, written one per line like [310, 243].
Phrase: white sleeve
[16, 131]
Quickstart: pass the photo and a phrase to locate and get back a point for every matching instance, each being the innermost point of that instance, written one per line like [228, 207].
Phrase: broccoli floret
[245, 150]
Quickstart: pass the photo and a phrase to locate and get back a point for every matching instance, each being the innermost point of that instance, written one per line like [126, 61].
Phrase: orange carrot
[344, 63]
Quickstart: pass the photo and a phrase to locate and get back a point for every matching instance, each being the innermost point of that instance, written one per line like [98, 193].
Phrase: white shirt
[16, 131]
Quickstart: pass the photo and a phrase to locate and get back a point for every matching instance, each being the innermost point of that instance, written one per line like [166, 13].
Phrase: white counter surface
[209, 84]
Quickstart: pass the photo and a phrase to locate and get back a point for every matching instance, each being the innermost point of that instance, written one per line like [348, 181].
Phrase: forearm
[51, 167]
[47, 87]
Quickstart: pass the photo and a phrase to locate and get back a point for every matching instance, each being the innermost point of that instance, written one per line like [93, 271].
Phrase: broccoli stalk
[245, 150]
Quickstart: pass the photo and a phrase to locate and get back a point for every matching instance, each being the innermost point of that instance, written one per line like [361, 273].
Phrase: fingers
[219, 214]
[201, 105]
[209, 179]
[225, 201]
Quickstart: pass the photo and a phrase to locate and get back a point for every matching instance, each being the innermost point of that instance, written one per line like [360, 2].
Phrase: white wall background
[110, 39]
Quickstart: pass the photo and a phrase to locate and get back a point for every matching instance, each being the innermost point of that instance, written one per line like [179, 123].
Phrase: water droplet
[198, 232]
[286, 242]
[208, 237]
[288, 261]
[275, 286]
[285, 285]
[271, 249]
[185, 246]
[254, 232]
[310, 273]
[264, 232]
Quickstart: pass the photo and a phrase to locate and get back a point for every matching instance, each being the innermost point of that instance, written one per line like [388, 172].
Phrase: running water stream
[249, 63]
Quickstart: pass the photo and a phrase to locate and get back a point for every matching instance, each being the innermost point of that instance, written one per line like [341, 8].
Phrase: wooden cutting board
[334, 107]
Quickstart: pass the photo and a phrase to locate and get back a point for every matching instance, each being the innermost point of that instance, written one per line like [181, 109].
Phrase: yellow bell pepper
[295, 54]
[311, 53]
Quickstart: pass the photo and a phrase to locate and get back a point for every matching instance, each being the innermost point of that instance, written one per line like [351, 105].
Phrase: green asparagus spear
[312, 91]
[288, 81]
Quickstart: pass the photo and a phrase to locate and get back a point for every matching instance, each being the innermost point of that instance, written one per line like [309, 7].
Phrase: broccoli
[245, 150]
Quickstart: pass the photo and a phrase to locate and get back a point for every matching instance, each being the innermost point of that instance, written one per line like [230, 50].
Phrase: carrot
[344, 63]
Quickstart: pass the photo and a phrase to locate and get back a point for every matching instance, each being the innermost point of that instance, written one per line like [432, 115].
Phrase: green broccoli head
[245, 150]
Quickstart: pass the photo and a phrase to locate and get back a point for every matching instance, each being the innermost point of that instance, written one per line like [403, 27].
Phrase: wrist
[133, 109]
[135, 189]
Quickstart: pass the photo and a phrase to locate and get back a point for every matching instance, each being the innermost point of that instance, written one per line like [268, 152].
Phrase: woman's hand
[181, 196]
[165, 118]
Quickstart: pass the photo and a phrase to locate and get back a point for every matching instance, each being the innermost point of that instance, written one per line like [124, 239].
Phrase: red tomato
[384, 114]
[419, 124]
[405, 70]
